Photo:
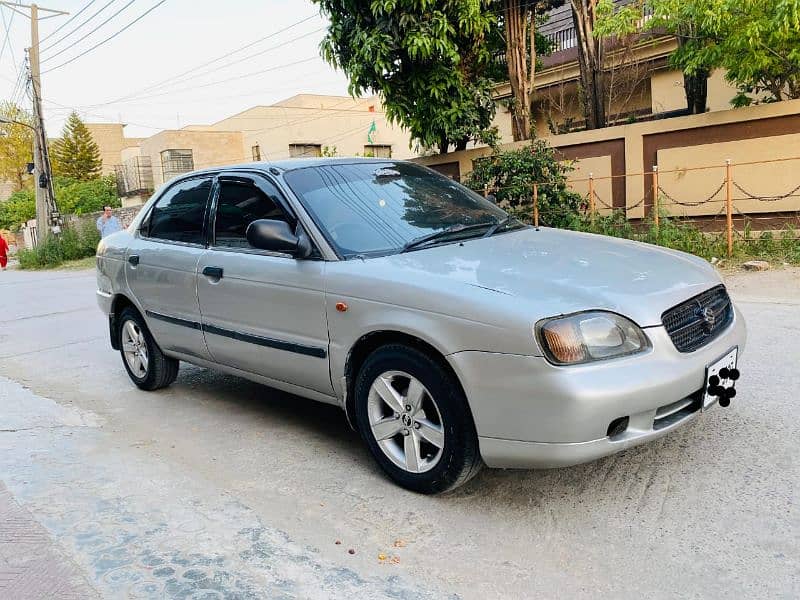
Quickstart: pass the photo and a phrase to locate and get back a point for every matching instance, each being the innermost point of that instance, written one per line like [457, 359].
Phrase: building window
[176, 162]
[301, 150]
[256, 153]
[378, 150]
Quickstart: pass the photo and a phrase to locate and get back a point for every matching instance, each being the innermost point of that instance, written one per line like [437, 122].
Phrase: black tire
[460, 458]
[161, 369]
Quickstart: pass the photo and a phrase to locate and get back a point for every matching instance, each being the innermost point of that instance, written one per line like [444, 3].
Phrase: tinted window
[377, 208]
[178, 215]
[240, 203]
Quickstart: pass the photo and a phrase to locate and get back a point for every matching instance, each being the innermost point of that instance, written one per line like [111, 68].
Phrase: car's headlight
[588, 337]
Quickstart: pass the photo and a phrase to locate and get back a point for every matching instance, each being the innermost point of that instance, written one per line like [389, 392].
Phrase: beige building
[112, 142]
[303, 125]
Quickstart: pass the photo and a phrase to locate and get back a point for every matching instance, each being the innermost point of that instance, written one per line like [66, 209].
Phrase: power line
[68, 34]
[7, 40]
[109, 38]
[244, 58]
[209, 62]
[213, 83]
[68, 21]
[79, 40]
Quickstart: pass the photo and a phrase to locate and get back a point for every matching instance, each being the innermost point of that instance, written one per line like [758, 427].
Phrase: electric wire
[7, 39]
[77, 28]
[79, 40]
[68, 21]
[109, 38]
[240, 60]
[205, 64]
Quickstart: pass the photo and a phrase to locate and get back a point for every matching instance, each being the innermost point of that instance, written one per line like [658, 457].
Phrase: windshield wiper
[499, 225]
[443, 234]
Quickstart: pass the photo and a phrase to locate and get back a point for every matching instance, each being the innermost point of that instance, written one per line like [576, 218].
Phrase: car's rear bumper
[529, 413]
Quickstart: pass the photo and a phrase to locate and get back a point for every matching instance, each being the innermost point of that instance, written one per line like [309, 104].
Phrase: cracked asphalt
[220, 488]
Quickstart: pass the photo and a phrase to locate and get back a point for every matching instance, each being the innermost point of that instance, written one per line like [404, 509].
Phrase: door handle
[213, 272]
[133, 259]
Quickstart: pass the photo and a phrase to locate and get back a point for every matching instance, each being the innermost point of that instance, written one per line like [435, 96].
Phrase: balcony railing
[560, 29]
[135, 177]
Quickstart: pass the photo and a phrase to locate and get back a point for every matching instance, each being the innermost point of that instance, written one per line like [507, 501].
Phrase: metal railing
[135, 177]
[726, 199]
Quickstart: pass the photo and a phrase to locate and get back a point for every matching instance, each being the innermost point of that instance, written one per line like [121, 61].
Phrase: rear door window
[179, 214]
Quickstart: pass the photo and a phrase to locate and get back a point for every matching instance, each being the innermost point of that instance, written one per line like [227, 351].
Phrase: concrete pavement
[217, 487]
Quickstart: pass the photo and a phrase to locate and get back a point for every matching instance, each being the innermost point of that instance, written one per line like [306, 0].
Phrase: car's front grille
[694, 323]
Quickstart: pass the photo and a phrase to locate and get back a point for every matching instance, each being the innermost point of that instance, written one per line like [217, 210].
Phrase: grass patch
[79, 264]
[781, 247]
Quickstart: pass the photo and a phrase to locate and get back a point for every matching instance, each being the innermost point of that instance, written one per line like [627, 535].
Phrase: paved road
[220, 488]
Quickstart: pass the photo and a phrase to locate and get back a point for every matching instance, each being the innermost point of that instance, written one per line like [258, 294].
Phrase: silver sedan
[451, 334]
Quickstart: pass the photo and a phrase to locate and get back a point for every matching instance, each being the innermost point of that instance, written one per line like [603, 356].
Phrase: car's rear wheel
[415, 419]
[147, 366]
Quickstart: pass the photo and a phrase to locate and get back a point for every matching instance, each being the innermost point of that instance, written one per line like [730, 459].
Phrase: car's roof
[294, 163]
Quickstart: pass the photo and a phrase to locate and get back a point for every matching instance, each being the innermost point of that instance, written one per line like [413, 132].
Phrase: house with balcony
[642, 86]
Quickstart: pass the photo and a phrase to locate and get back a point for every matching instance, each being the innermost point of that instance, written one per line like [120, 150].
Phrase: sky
[140, 77]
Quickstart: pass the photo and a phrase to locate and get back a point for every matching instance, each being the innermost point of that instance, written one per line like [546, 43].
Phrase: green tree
[16, 145]
[72, 196]
[75, 154]
[82, 197]
[18, 209]
[510, 176]
[427, 59]
[757, 42]
[523, 45]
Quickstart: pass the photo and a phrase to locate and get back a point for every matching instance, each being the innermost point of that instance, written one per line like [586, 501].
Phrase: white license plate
[726, 362]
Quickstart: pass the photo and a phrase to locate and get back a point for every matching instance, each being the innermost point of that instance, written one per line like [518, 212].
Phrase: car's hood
[562, 271]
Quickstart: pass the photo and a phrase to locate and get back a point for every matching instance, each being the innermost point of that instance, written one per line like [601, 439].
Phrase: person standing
[3, 253]
[107, 223]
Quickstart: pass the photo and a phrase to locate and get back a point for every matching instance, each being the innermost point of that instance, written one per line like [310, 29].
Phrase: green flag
[372, 129]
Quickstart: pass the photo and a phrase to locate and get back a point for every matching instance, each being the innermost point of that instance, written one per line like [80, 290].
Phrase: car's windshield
[374, 208]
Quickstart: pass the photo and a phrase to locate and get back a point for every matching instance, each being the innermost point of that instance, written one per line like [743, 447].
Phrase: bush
[71, 244]
[510, 176]
[83, 197]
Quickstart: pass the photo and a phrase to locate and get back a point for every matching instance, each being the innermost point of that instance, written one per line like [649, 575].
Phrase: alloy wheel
[405, 421]
[134, 347]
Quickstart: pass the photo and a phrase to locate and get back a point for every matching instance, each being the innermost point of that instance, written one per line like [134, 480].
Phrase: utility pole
[47, 217]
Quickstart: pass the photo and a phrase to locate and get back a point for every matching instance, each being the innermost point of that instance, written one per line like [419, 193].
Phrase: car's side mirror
[277, 236]
[492, 198]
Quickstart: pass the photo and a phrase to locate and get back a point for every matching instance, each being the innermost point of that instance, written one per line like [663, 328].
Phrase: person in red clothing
[3, 253]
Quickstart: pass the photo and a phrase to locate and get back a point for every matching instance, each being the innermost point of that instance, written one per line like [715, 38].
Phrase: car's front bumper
[532, 414]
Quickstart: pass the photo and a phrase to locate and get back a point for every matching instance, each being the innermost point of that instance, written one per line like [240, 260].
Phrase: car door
[262, 312]
[161, 266]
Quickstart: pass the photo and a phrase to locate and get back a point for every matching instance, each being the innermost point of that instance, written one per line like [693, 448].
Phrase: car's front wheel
[415, 419]
[147, 366]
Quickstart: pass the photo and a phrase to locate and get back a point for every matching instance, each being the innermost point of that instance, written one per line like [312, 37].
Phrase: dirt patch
[780, 285]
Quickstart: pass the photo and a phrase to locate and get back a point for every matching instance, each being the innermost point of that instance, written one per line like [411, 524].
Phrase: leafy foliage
[510, 176]
[82, 197]
[757, 42]
[16, 145]
[18, 209]
[75, 154]
[427, 59]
